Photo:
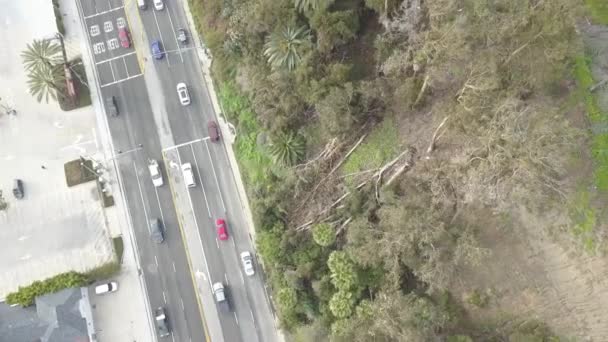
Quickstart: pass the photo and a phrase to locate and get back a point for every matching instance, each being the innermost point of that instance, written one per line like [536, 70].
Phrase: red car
[125, 40]
[222, 232]
[214, 131]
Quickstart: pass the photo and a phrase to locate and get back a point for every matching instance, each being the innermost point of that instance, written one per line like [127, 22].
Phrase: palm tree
[41, 54]
[287, 149]
[282, 48]
[46, 82]
[308, 5]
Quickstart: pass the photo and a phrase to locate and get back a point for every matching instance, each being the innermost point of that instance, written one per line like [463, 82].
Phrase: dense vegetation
[25, 296]
[375, 136]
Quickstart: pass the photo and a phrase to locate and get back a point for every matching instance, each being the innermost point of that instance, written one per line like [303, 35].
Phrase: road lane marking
[226, 277]
[235, 318]
[114, 58]
[124, 61]
[252, 317]
[217, 243]
[156, 260]
[174, 268]
[182, 301]
[162, 41]
[200, 178]
[172, 337]
[164, 298]
[112, 71]
[174, 33]
[215, 176]
[104, 12]
[120, 81]
[162, 217]
[141, 194]
[242, 279]
[184, 144]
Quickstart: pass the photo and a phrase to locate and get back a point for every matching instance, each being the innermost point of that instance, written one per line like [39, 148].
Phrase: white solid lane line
[164, 297]
[200, 180]
[162, 217]
[141, 194]
[126, 69]
[156, 260]
[174, 271]
[104, 12]
[252, 317]
[217, 243]
[184, 144]
[182, 301]
[215, 175]
[120, 81]
[115, 58]
[226, 277]
[235, 318]
[174, 33]
[112, 71]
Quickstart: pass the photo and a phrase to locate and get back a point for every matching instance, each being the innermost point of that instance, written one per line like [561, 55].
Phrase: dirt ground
[535, 272]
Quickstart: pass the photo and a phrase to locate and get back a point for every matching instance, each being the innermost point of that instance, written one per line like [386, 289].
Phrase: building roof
[57, 317]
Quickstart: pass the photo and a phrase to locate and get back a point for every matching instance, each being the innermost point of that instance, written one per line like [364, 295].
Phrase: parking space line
[141, 194]
[119, 81]
[112, 71]
[215, 176]
[174, 34]
[162, 41]
[114, 58]
[201, 180]
[198, 232]
[104, 12]
[124, 61]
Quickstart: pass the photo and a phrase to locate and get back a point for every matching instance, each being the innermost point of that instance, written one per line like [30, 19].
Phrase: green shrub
[25, 296]
[478, 298]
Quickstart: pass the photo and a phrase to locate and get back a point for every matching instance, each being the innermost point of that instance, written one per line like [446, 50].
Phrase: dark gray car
[156, 231]
[161, 322]
[111, 106]
[18, 188]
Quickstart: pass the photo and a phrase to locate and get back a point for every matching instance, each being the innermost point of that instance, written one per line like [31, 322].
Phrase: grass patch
[254, 163]
[119, 247]
[77, 174]
[598, 10]
[584, 217]
[378, 148]
[82, 90]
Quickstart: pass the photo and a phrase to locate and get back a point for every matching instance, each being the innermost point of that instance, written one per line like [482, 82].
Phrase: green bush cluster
[25, 296]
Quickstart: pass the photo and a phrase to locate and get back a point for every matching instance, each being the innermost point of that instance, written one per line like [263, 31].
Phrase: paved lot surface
[54, 228]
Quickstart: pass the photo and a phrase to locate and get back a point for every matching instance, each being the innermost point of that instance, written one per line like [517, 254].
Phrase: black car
[18, 188]
[156, 231]
[161, 322]
[111, 106]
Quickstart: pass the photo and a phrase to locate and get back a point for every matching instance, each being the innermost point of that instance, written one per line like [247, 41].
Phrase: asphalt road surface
[136, 139]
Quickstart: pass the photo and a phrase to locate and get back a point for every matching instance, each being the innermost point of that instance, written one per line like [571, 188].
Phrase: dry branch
[598, 85]
[343, 225]
[422, 90]
[518, 50]
[431, 147]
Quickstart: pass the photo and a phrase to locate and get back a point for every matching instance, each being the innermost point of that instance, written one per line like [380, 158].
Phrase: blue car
[157, 50]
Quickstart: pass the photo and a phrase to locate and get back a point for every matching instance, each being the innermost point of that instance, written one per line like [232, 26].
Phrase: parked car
[247, 261]
[161, 322]
[157, 50]
[159, 5]
[181, 36]
[155, 174]
[222, 232]
[111, 106]
[214, 131]
[106, 288]
[220, 297]
[18, 189]
[156, 231]
[182, 93]
[188, 175]
[124, 37]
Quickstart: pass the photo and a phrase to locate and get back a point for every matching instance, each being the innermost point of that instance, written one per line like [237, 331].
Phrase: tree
[343, 272]
[342, 304]
[269, 245]
[323, 234]
[334, 28]
[287, 298]
[312, 5]
[3, 202]
[339, 110]
[46, 82]
[41, 54]
[287, 148]
[283, 49]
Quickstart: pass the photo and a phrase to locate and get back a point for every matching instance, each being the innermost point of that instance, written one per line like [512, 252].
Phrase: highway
[137, 133]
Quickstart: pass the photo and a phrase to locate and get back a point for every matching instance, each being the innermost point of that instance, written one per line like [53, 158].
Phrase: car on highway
[188, 175]
[222, 232]
[155, 174]
[182, 37]
[124, 37]
[220, 297]
[247, 262]
[159, 5]
[214, 131]
[142, 4]
[106, 288]
[182, 93]
[18, 189]
[157, 50]
[156, 231]
[111, 106]
[161, 322]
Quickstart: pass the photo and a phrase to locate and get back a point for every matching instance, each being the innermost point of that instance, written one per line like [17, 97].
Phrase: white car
[159, 5]
[188, 175]
[157, 177]
[247, 261]
[182, 93]
[106, 288]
